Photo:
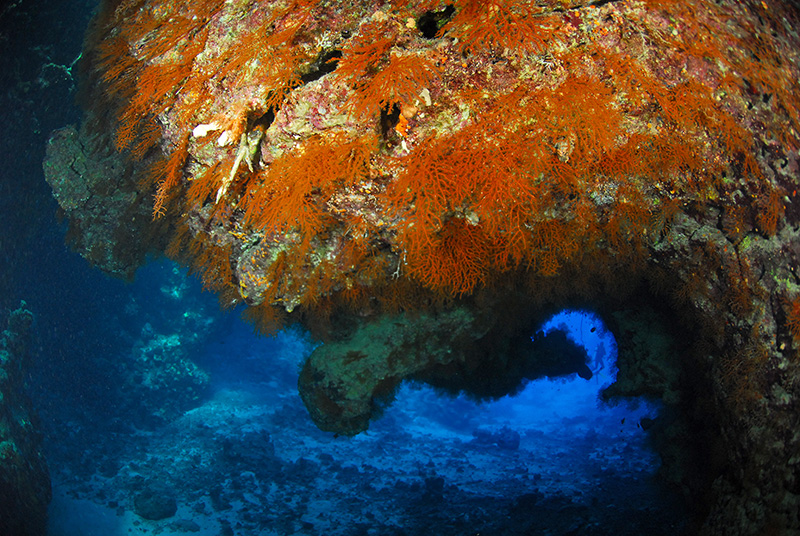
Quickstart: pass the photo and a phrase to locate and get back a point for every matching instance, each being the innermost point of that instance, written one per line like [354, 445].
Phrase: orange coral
[453, 260]
[292, 191]
[399, 81]
[515, 25]
[793, 318]
[381, 77]
[167, 174]
[541, 139]
[771, 210]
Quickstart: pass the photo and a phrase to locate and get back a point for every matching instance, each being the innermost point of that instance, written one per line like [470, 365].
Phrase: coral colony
[450, 171]
[309, 155]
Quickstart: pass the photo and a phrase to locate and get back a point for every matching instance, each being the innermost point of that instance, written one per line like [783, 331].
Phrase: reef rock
[347, 164]
[155, 503]
[159, 379]
[24, 480]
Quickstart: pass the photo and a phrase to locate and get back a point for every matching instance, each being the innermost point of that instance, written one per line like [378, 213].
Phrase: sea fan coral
[459, 157]
[793, 318]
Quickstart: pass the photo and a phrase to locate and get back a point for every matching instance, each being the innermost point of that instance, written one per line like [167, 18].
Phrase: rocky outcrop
[106, 223]
[24, 480]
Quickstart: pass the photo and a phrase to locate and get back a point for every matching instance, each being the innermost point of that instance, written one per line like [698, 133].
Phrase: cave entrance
[555, 448]
[550, 403]
[573, 401]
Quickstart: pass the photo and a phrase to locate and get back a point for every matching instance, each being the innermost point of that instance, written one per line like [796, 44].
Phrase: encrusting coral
[324, 161]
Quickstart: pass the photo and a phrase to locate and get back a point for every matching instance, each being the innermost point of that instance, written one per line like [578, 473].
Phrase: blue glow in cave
[551, 459]
[560, 405]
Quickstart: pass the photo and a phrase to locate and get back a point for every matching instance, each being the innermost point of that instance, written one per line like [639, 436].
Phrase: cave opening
[551, 457]
[568, 446]
[559, 394]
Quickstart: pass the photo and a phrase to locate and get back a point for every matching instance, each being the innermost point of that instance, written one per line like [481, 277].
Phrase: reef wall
[372, 169]
[24, 480]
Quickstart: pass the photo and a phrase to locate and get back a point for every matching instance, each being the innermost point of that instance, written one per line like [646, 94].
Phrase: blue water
[245, 456]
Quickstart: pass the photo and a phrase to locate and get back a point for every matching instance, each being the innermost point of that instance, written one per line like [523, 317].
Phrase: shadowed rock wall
[24, 480]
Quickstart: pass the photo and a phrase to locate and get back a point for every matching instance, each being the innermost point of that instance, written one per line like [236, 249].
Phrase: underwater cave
[584, 462]
[513, 267]
[559, 453]
[634, 370]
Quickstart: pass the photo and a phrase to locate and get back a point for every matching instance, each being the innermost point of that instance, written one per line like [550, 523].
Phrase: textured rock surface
[155, 502]
[161, 381]
[344, 384]
[345, 163]
[24, 480]
[96, 189]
